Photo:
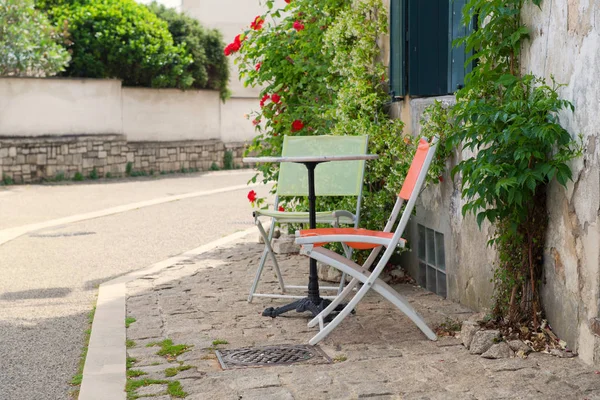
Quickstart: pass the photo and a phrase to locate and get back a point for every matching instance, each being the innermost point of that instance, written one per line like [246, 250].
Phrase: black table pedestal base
[303, 305]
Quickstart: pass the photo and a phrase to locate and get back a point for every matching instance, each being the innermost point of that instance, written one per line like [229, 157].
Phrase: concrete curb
[104, 373]
[9, 234]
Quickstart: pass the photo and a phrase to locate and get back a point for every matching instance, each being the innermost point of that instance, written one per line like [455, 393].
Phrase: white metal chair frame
[361, 274]
[335, 218]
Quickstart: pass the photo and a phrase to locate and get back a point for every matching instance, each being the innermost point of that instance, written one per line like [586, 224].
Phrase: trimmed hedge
[209, 68]
[149, 46]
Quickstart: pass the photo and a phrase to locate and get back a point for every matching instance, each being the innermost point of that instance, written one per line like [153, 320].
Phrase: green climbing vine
[509, 123]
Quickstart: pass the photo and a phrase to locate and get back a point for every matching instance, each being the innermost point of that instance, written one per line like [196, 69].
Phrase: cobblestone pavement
[378, 353]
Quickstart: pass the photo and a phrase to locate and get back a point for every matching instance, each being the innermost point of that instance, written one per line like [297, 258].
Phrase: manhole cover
[271, 355]
[63, 234]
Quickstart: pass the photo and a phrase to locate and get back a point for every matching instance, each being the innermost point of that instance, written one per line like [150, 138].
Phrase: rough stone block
[102, 154]
[3, 152]
[483, 340]
[41, 159]
[498, 350]
[285, 245]
[467, 332]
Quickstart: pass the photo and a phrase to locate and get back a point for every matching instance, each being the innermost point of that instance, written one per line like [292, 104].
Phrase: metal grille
[271, 355]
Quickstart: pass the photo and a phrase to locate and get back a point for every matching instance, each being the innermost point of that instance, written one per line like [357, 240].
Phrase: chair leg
[268, 250]
[326, 330]
[400, 302]
[319, 319]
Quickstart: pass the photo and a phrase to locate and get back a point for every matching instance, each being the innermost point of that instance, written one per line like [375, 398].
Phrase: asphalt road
[49, 278]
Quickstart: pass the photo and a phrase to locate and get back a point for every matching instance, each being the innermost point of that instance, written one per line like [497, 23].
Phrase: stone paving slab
[378, 352]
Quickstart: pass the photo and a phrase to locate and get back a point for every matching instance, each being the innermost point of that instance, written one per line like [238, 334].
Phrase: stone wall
[27, 160]
[565, 44]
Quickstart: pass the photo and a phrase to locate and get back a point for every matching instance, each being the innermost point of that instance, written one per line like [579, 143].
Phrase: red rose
[297, 125]
[233, 46]
[252, 196]
[281, 209]
[298, 26]
[264, 100]
[257, 23]
[275, 98]
[256, 122]
[257, 66]
[288, 1]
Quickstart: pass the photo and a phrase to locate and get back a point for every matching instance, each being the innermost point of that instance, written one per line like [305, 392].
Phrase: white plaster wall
[35, 107]
[565, 43]
[171, 114]
[235, 127]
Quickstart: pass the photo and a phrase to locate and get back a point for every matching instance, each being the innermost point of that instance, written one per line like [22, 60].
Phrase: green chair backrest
[337, 178]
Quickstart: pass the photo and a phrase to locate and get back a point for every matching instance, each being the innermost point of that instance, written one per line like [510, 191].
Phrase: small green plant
[129, 343]
[134, 384]
[170, 372]
[135, 373]
[340, 358]
[448, 328]
[108, 175]
[78, 177]
[60, 176]
[168, 349]
[129, 168]
[217, 342]
[130, 361]
[7, 180]
[228, 160]
[174, 389]
[93, 174]
[151, 172]
[214, 167]
[129, 321]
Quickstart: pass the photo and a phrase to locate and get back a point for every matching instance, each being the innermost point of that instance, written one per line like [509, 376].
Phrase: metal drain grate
[271, 355]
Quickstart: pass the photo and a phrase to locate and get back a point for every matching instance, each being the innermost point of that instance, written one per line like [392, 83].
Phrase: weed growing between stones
[168, 349]
[78, 377]
[129, 321]
[129, 343]
[170, 372]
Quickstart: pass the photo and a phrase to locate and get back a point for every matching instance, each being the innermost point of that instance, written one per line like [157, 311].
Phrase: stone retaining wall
[28, 160]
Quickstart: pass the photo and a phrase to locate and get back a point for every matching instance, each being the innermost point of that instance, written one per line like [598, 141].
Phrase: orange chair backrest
[415, 168]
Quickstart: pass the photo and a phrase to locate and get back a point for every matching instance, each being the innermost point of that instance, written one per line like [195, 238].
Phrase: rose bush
[320, 69]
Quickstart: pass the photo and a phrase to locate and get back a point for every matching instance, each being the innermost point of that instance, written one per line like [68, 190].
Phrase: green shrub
[78, 177]
[209, 67]
[28, 41]
[129, 168]
[228, 160]
[121, 39]
[93, 174]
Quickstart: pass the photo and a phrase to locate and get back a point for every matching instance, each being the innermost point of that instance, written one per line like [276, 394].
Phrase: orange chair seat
[347, 231]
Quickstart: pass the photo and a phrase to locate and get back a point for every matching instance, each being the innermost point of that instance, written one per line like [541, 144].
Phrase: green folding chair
[344, 178]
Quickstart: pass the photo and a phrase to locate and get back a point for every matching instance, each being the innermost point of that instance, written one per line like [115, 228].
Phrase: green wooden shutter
[397, 47]
[457, 56]
[428, 47]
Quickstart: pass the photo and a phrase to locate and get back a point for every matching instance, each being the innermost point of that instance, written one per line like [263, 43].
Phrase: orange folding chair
[312, 241]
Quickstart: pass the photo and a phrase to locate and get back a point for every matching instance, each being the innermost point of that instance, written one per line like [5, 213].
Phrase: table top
[304, 159]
